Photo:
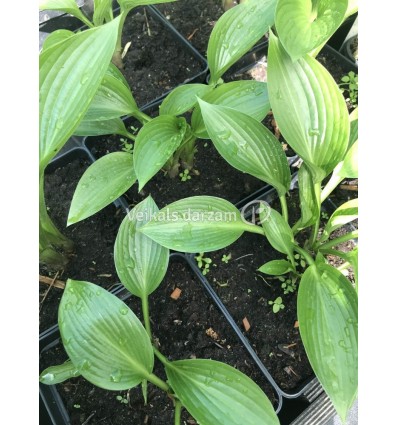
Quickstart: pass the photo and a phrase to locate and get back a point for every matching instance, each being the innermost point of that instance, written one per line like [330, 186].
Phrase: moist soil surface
[156, 60]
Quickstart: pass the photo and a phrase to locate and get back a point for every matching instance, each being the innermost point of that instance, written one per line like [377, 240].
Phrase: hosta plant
[107, 344]
[81, 92]
[313, 118]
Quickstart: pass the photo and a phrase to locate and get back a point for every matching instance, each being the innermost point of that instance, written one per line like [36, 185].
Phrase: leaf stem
[341, 239]
[145, 313]
[160, 356]
[315, 228]
[304, 254]
[158, 382]
[141, 116]
[177, 412]
[285, 211]
[333, 182]
[130, 136]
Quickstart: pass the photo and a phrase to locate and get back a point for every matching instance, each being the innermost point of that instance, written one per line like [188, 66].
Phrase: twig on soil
[193, 33]
[352, 187]
[86, 421]
[49, 281]
[147, 23]
[48, 290]
[243, 256]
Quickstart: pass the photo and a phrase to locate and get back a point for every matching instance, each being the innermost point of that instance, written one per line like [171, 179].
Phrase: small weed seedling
[203, 263]
[126, 145]
[277, 305]
[288, 285]
[324, 215]
[122, 399]
[184, 176]
[350, 83]
[225, 258]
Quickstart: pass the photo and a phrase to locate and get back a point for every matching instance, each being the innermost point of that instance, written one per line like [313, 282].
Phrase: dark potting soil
[194, 20]
[93, 238]
[156, 61]
[189, 327]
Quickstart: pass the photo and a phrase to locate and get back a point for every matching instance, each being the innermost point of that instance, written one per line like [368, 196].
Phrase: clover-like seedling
[288, 285]
[126, 146]
[277, 305]
[184, 176]
[324, 215]
[225, 258]
[203, 263]
[350, 83]
[122, 400]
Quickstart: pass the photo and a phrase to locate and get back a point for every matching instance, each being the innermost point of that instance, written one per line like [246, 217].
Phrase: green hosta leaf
[236, 32]
[183, 98]
[114, 71]
[247, 145]
[216, 393]
[352, 258]
[67, 6]
[352, 7]
[112, 100]
[197, 224]
[60, 373]
[70, 74]
[103, 337]
[103, 182]
[309, 109]
[276, 267]
[102, 11]
[56, 37]
[99, 128]
[277, 231]
[348, 168]
[140, 262]
[309, 202]
[304, 25]
[353, 128]
[328, 314]
[343, 215]
[249, 97]
[130, 4]
[155, 144]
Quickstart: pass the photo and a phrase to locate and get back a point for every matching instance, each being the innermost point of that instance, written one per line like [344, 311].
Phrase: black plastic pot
[347, 50]
[337, 39]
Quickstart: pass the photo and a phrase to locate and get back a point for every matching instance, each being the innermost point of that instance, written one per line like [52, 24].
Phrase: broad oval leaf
[141, 263]
[56, 37]
[349, 167]
[309, 200]
[102, 11]
[99, 128]
[70, 74]
[249, 97]
[247, 145]
[197, 224]
[112, 99]
[304, 25]
[103, 337]
[60, 373]
[216, 393]
[156, 142]
[309, 109]
[276, 267]
[344, 214]
[277, 231]
[183, 98]
[353, 128]
[327, 310]
[67, 6]
[103, 182]
[236, 32]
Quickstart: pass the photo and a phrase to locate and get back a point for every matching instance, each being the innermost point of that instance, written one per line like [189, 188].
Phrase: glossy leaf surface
[70, 74]
[277, 231]
[309, 109]
[99, 128]
[60, 373]
[67, 6]
[102, 11]
[247, 145]
[141, 263]
[276, 267]
[344, 214]
[155, 144]
[197, 224]
[249, 97]
[103, 182]
[216, 393]
[56, 37]
[328, 315]
[103, 337]
[236, 32]
[304, 25]
[183, 98]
